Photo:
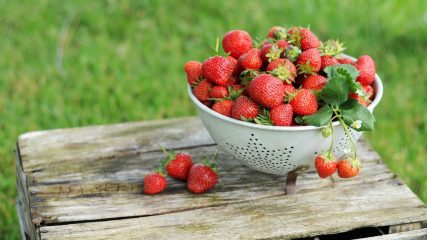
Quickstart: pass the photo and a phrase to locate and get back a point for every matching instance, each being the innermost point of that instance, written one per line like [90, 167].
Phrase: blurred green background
[74, 63]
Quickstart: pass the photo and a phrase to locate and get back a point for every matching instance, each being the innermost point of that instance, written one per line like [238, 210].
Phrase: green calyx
[274, 53]
[233, 94]
[283, 72]
[281, 33]
[328, 156]
[211, 162]
[263, 118]
[306, 68]
[294, 36]
[292, 53]
[246, 76]
[331, 48]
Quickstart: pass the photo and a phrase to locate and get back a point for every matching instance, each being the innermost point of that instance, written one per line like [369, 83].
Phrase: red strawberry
[309, 61]
[282, 44]
[303, 38]
[326, 165]
[218, 70]
[315, 82]
[202, 89]
[237, 42]
[232, 81]
[345, 60]
[251, 60]
[366, 67]
[218, 92]
[348, 168]
[266, 90]
[154, 183]
[281, 115]
[304, 102]
[223, 107]
[179, 166]
[369, 90]
[283, 69]
[276, 32]
[194, 71]
[201, 178]
[289, 90]
[328, 61]
[244, 109]
[236, 67]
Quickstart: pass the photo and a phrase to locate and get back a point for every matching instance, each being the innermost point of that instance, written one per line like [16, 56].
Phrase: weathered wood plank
[111, 189]
[307, 214]
[420, 234]
[87, 143]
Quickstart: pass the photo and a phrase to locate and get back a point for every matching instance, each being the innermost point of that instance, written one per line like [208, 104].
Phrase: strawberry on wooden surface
[201, 178]
[154, 183]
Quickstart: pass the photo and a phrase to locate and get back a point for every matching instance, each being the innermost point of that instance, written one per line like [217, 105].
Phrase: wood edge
[31, 134]
[414, 234]
[23, 204]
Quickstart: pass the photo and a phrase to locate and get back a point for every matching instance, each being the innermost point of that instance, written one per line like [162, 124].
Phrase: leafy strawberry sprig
[338, 106]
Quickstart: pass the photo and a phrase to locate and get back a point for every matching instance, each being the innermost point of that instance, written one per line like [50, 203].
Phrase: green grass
[74, 63]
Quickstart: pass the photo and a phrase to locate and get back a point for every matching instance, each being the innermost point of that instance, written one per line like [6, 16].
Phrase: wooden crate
[86, 183]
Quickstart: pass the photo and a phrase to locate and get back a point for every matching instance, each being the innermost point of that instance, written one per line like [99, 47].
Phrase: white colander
[274, 149]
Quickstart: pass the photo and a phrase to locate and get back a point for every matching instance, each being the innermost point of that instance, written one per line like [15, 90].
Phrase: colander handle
[291, 180]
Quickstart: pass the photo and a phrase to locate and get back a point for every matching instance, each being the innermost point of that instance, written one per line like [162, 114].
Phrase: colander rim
[378, 86]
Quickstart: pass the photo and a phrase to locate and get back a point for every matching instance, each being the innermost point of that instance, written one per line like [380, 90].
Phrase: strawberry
[366, 67]
[348, 168]
[315, 82]
[345, 60]
[218, 92]
[328, 61]
[194, 71]
[292, 53]
[309, 61]
[251, 59]
[218, 70]
[304, 102]
[282, 44]
[289, 90]
[154, 183]
[369, 90]
[281, 115]
[303, 38]
[244, 109]
[266, 90]
[237, 42]
[326, 164]
[178, 165]
[276, 32]
[202, 89]
[223, 107]
[283, 69]
[235, 65]
[201, 178]
[232, 81]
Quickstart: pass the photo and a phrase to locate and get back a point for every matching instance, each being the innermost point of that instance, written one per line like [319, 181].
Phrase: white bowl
[274, 149]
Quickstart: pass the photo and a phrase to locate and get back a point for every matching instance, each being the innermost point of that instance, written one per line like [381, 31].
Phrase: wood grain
[308, 214]
[87, 183]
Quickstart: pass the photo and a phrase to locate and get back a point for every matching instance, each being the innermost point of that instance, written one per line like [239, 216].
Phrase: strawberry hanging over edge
[193, 69]
[348, 168]
[325, 164]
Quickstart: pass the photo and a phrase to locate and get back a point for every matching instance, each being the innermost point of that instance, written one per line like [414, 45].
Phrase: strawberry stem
[332, 135]
[346, 130]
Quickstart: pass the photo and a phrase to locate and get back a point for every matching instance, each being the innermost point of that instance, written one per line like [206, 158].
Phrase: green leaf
[352, 111]
[347, 70]
[335, 91]
[320, 118]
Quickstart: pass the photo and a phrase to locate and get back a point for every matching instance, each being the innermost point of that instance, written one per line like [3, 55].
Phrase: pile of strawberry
[200, 177]
[290, 78]
[276, 81]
